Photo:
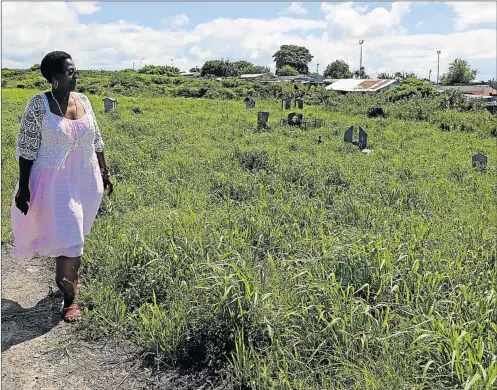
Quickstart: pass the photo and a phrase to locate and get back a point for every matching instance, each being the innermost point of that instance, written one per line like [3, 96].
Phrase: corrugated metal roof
[465, 88]
[254, 75]
[362, 85]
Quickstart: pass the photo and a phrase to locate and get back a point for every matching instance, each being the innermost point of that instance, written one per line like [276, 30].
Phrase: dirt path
[39, 351]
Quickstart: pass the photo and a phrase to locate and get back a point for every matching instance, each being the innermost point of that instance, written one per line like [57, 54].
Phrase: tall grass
[279, 262]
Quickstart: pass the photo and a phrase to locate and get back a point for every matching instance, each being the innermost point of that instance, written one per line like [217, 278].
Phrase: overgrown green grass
[280, 262]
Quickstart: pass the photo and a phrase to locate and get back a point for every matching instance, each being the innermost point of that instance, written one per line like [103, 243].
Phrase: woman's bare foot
[72, 313]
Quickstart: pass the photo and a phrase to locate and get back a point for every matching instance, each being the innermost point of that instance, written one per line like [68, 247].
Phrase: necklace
[56, 101]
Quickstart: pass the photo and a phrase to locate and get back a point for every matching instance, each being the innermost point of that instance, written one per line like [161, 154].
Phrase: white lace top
[46, 144]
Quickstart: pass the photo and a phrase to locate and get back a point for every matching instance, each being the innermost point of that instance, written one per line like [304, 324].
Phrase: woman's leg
[66, 277]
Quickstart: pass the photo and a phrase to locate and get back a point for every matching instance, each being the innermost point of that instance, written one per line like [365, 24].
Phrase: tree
[401, 76]
[160, 70]
[298, 57]
[245, 67]
[225, 68]
[287, 70]
[35, 68]
[260, 69]
[218, 68]
[338, 69]
[361, 74]
[194, 70]
[385, 76]
[460, 72]
[409, 88]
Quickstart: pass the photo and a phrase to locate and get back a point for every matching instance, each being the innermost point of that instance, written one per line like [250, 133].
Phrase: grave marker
[363, 139]
[287, 103]
[249, 102]
[480, 160]
[262, 119]
[109, 104]
[294, 119]
[299, 103]
[349, 135]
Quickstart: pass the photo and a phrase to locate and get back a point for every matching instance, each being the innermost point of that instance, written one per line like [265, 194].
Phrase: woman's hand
[108, 185]
[107, 179]
[22, 198]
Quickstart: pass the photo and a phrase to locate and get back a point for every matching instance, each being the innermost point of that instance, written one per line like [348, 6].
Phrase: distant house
[190, 74]
[301, 79]
[361, 85]
[258, 76]
[470, 90]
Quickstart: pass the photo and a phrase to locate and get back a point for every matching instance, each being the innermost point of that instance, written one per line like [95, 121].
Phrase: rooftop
[359, 85]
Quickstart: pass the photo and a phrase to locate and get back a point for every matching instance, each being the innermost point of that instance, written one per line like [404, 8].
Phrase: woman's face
[67, 79]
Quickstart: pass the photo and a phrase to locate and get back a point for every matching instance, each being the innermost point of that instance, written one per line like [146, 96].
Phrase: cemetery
[320, 232]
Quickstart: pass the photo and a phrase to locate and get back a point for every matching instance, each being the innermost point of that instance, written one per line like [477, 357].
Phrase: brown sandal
[72, 313]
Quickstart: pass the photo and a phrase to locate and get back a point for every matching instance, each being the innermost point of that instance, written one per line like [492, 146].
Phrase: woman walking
[62, 176]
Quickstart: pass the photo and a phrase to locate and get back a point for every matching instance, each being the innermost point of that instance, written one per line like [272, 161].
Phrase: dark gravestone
[109, 104]
[349, 135]
[480, 161]
[363, 139]
[286, 103]
[294, 119]
[299, 103]
[249, 102]
[262, 119]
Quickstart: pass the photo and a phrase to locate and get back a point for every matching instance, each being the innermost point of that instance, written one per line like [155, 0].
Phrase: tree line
[293, 60]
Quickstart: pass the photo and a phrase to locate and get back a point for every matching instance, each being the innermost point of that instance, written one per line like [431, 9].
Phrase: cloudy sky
[398, 36]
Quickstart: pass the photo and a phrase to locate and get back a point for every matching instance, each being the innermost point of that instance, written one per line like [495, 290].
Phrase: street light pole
[360, 60]
[172, 63]
[438, 66]
[141, 62]
[429, 76]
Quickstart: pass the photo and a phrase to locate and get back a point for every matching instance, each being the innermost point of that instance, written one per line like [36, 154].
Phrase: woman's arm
[98, 143]
[104, 169]
[28, 144]
[23, 195]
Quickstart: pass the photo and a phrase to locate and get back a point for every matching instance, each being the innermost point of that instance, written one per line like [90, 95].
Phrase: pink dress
[64, 202]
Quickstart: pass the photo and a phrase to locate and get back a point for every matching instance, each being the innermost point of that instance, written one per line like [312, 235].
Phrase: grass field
[275, 261]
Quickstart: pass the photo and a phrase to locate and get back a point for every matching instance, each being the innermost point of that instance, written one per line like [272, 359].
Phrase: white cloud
[420, 23]
[353, 22]
[180, 20]
[199, 53]
[32, 28]
[473, 13]
[86, 8]
[296, 8]
[362, 8]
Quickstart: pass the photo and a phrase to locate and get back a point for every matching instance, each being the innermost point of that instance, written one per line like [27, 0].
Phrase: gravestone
[287, 103]
[363, 139]
[299, 103]
[480, 160]
[349, 135]
[109, 104]
[262, 119]
[294, 119]
[249, 102]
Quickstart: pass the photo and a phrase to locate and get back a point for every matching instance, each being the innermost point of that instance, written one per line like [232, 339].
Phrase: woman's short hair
[53, 62]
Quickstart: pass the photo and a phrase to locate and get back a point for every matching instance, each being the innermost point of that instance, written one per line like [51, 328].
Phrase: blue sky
[397, 36]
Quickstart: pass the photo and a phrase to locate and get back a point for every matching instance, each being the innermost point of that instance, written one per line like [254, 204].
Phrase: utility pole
[172, 62]
[317, 68]
[438, 66]
[360, 60]
[429, 76]
[141, 62]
